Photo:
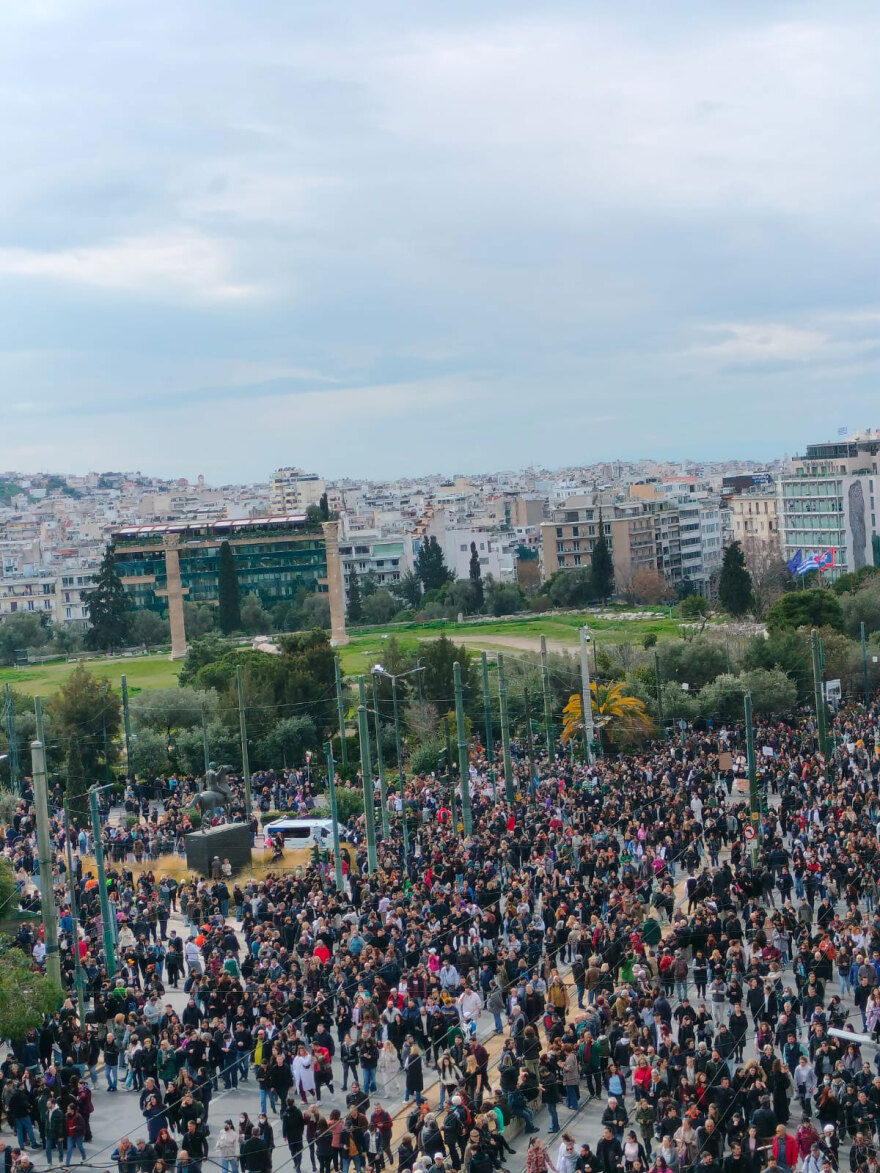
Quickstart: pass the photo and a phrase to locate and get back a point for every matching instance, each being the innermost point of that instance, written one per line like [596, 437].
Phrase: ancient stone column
[171, 542]
[335, 587]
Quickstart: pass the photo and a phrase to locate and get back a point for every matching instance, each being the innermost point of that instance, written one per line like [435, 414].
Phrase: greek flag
[808, 564]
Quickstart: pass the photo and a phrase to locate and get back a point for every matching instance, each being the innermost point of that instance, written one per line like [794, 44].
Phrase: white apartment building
[61, 597]
[292, 491]
[828, 501]
[369, 554]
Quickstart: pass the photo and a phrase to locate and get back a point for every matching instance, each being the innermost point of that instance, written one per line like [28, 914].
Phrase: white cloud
[177, 265]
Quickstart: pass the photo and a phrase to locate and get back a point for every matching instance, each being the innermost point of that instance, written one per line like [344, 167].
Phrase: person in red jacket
[74, 1131]
[784, 1149]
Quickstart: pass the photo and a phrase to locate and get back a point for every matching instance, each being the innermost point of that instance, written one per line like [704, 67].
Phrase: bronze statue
[216, 792]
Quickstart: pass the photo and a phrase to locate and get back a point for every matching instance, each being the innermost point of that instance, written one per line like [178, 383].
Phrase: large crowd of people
[624, 946]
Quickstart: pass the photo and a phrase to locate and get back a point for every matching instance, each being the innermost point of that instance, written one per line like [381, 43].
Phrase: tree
[814, 608]
[626, 717]
[787, 651]
[693, 607]
[695, 662]
[571, 588]
[198, 619]
[770, 575]
[649, 586]
[475, 574]
[20, 632]
[315, 612]
[431, 566]
[408, 589]
[380, 607]
[26, 995]
[862, 607]
[504, 598]
[601, 565]
[324, 506]
[149, 754]
[420, 720]
[735, 583]
[229, 595]
[286, 744]
[109, 608]
[355, 607]
[254, 619]
[438, 657]
[163, 710]
[83, 711]
[148, 628]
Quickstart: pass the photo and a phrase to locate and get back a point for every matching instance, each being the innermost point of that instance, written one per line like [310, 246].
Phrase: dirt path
[519, 643]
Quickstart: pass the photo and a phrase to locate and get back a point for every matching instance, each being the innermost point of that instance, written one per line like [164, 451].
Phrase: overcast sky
[378, 238]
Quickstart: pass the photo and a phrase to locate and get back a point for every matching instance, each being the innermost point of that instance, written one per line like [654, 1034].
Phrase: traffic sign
[749, 832]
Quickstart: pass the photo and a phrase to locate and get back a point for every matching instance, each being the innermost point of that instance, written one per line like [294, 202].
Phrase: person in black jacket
[111, 1062]
[609, 1153]
[292, 1128]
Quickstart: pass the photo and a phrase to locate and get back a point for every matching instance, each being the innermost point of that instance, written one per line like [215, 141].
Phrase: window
[13, 607]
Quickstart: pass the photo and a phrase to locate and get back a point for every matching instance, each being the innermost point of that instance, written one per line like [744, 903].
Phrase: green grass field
[561, 632]
[366, 647]
[139, 671]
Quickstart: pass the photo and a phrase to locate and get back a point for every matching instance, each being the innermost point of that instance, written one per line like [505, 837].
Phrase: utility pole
[77, 963]
[126, 726]
[819, 698]
[401, 779]
[44, 852]
[463, 775]
[245, 759]
[659, 694]
[487, 709]
[367, 776]
[419, 679]
[340, 710]
[11, 740]
[586, 698]
[334, 818]
[380, 759]
[530, 745]
[38, 718]
[106, 923]
[205, 739]
[548, 708]
[509, 793]
[754, 801]
[864, 665]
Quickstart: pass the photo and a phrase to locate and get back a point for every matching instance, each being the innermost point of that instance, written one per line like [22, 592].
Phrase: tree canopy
[602, 566]
[431, 565]
[85, 714]
[813, 608]
[229, 595]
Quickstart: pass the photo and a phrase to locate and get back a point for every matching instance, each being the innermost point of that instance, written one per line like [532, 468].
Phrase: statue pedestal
[232, 841]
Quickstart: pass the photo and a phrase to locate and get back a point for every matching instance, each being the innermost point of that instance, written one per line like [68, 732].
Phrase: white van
[302, 832]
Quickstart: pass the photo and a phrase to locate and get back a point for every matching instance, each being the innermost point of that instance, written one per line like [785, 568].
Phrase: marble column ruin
[335, 586]
[171, 543]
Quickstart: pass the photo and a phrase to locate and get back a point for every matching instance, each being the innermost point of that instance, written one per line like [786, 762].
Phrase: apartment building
[755, 521]
[292, 491]
[369, 554]
[568, 539]
[60, 598]
[828, 501]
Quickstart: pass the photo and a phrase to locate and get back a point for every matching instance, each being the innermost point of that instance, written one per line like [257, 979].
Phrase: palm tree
[625, 716]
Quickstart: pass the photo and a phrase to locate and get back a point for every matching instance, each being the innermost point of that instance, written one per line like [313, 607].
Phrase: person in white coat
[303, 1071]
[226, 1148]
[388, 1070]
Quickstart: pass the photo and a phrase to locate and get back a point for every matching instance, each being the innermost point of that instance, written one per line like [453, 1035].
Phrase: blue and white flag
[794, 563]
[808, 564]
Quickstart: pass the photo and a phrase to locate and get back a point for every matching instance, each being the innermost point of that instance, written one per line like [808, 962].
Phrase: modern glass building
[274, 557]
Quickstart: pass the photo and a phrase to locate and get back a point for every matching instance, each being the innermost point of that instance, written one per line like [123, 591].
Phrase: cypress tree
[601, 565]
[355, 607]
[475, 573]
[735, 582]
[109, 608]
[229, 595]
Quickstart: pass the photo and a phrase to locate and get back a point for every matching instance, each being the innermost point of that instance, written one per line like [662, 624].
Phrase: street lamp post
[378, 670]
[106, 921]
[380, 758]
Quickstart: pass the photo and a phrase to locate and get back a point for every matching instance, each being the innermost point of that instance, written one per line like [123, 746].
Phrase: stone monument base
[232, 841]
